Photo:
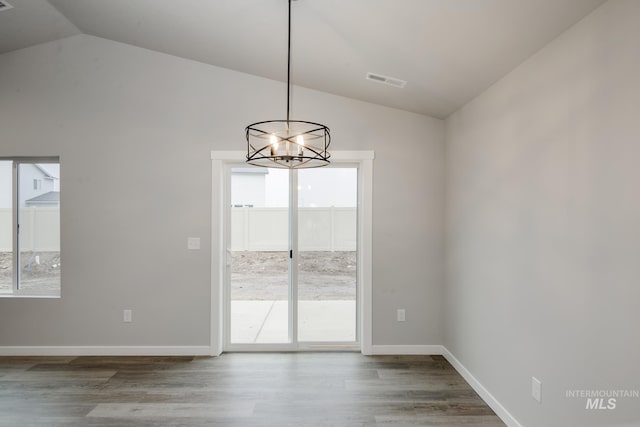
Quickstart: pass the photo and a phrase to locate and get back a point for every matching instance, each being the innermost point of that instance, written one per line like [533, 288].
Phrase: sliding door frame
[222, 161]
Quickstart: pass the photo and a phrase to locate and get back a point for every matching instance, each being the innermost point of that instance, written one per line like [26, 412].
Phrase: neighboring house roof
[46, 173]
[46, 198]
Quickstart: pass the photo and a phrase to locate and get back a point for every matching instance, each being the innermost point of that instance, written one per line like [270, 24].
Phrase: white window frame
[220, 258]
[15, 189]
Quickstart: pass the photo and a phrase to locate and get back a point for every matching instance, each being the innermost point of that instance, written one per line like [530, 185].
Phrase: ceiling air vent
[386, 80]
[4, 6]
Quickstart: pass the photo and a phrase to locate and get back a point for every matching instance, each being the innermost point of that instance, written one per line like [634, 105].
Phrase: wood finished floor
[238, 389]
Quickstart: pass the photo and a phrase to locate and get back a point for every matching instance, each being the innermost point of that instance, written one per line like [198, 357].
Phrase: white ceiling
[448, 50]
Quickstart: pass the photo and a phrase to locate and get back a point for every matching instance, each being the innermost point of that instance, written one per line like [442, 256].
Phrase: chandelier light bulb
[274, 145]
[300, 142]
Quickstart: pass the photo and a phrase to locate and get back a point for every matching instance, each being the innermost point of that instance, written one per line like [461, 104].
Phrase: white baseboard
[106, 351]
[497, 407]
[407, 349]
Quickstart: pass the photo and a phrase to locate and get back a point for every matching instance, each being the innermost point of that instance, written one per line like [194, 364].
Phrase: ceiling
[448, 51]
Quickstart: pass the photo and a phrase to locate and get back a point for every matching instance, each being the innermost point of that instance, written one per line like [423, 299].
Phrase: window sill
[30, 296]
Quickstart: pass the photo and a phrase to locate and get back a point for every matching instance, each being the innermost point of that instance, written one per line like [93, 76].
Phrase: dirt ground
[40, 271]
[322, 276]
[254, 275]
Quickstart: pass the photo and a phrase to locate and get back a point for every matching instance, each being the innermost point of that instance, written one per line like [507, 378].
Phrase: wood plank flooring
[238, 389]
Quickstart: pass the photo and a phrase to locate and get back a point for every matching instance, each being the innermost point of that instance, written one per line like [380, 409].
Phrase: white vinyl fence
[320, 229]
[39, 229]
[252, 229]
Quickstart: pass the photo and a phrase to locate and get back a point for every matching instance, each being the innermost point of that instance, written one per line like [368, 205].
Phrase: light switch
[193, 243]
[536, 389]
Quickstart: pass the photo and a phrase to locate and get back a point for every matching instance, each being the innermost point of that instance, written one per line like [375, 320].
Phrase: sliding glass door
[291, 258]
[327, 287]
[260, 235]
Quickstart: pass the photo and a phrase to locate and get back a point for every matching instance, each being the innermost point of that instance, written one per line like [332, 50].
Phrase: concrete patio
[266, 321]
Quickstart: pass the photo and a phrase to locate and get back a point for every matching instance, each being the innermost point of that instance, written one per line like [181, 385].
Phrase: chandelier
[288, 144]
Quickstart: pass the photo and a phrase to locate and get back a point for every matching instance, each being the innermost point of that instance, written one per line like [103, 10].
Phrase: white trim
[241, 156]
[292, 347]
[293, 262]
[407, 349]
[218, 254]
[15, 207]
[365, 250]
[225, 270]
[105, 351]
[489, 399]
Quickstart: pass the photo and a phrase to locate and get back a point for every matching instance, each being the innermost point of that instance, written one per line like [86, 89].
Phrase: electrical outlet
[401, 315]
[536, 389]
[127, 316]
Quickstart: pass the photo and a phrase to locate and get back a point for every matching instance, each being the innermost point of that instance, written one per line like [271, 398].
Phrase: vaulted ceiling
[448, 51]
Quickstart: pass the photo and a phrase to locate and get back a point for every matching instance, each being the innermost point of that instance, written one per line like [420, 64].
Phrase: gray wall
[134, 129]
[543, 225]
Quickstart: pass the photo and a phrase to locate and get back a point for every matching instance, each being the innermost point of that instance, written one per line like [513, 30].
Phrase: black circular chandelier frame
[288, 144]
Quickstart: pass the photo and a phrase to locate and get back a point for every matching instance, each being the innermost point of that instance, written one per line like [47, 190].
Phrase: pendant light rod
[289, 63]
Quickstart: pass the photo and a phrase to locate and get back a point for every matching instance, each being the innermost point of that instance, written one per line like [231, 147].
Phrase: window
[30, 227]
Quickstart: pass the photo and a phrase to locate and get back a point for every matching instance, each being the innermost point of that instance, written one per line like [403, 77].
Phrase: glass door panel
[259, 286]
[327, 286]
